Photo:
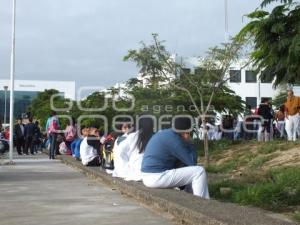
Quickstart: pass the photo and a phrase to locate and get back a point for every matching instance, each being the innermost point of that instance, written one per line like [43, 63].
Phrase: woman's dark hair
[145, 127]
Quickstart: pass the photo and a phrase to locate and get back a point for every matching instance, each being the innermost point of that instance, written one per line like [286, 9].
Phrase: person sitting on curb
[132, 149]
[75, 146]
[165, 150]
[118, 159]
[90, 149]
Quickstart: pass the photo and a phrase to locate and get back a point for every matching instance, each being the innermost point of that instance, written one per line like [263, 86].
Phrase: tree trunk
[205, 140]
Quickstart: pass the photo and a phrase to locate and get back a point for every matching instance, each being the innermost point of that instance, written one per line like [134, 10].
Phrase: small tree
[201, 87]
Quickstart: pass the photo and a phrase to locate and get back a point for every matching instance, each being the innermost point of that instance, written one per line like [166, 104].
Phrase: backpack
[53, 127]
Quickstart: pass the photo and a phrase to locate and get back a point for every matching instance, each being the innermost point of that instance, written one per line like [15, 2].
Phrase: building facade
[26, 90]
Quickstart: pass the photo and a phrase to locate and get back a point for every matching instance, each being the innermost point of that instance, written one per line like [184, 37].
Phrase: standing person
[52, 127]
[279, 117]
[19, 135]
[29, 132]
[264, 111]
[292, 118]
[168, 149]
[37, 138]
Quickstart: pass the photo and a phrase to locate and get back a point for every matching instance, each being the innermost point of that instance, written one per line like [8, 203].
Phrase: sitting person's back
[90, 149]
[164, 153]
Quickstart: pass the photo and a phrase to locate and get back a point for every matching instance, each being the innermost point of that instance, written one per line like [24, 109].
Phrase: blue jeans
[52, 152]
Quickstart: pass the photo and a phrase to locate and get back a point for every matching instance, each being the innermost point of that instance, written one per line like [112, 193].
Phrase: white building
[67, 88]
[26, 90]
[242, 80]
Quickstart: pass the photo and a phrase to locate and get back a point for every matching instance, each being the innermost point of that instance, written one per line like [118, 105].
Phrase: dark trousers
[20, 144]
[53, 146]
[29, 144]
[95, 162]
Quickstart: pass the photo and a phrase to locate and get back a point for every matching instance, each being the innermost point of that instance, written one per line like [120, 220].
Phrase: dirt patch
[289, 157]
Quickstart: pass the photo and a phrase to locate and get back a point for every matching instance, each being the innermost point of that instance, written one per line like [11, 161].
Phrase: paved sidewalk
[38, 191]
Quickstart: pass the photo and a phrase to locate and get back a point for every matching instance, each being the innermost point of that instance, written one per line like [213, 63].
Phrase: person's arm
[285, 111]
[183, 151]
[93, 141]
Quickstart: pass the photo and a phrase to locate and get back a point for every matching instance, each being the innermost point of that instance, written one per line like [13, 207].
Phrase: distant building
[26, 90]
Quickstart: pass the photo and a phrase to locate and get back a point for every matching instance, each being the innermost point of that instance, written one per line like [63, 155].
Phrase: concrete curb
[185, 208]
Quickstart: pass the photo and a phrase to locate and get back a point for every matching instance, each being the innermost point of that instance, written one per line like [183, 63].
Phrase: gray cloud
[86, 40]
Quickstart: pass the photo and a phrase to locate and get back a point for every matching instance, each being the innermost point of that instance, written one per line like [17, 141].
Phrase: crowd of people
[262, 124]
[27, 137]
[166, 159]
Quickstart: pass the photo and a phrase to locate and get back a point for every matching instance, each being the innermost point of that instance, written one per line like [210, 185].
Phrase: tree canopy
[276, 38]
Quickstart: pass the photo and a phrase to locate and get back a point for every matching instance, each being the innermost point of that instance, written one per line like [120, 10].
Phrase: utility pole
[226, 20]
[12, 82]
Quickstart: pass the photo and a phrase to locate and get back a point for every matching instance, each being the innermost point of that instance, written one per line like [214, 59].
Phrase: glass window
[250, 76]
[251, 102]
[235, 76]
[266, 78]
[263, 99]
[186, 71]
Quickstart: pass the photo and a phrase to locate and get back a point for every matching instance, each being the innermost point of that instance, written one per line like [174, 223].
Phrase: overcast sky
[85, 40]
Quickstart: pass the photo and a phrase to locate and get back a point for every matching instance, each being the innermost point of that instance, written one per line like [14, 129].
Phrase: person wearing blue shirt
[170, 161]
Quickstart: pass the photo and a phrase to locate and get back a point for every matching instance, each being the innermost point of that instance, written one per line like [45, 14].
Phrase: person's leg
[191, 175]
[26, 146]
[73, 145]
[18, 145]
[288, 128]
[94, 162]
[295, 126]
[31, 145]
[52, 146]
[77, 149]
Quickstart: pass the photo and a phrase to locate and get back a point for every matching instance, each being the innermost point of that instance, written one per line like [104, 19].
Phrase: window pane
[250, 76]
[186, 71]
[266, 78]
[235, 76]
[263, 99]
[252, 102]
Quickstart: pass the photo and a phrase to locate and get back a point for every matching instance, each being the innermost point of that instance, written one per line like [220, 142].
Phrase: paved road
[38, 191]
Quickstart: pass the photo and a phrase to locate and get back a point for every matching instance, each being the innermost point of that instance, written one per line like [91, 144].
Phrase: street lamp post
[226, 20]
[12, 83]
[5, 90]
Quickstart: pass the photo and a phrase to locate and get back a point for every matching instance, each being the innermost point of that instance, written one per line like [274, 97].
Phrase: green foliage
[276, 37]
[267, 2]
[297, 216]
[215, 147]
[214, 189]
[151, 65]
[41, 107]
[279, 99]
[223, 168]
[278, 191]
[267, 148]
[258, 162]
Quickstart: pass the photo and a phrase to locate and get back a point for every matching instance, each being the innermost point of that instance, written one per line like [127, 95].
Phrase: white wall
[67, 87]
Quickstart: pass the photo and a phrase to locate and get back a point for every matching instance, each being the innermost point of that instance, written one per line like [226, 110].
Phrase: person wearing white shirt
[90, 149]
[132, 149]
